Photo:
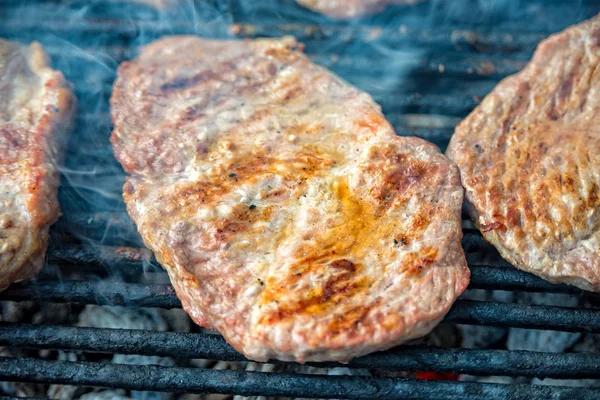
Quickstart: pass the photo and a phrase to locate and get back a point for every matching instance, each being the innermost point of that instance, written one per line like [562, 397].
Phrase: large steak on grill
[529, 157]
[288, 214]
[35, 114]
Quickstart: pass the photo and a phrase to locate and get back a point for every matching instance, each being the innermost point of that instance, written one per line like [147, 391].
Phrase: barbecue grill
[428, 65]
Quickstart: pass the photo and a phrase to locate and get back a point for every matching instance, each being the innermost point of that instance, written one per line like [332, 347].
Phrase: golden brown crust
[529, 157]
[35, 113]
[288, 214]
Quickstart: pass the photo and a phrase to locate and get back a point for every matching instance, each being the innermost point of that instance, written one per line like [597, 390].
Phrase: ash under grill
[427, 65]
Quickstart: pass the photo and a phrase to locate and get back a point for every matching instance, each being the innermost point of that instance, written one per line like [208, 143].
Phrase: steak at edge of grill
[348, 9]
[35, 115]
[529, 157]
[288, 214]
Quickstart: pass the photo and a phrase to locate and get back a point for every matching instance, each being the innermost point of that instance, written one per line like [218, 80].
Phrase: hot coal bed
[102, 320]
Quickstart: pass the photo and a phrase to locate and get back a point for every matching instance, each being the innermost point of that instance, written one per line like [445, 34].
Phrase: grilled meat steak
[288, 214]
[347, 9]
[35, 113]
[529, 157]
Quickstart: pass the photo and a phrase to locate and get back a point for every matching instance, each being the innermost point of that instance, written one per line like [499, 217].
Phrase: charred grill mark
[13, 144]
[293, 93]
[227, 230]
[246, 168]
[416, 264]
[343, 283]
[198, 193]
[183, 82]
[394, 186]
[565, 89]
[186, 82]
[350, 319]
[592, 198]
[492, 226]
[595, 37]
[518, 107]
[343, 264]
[240, 221]
[192, 113]
[513, 215]
[327, 264]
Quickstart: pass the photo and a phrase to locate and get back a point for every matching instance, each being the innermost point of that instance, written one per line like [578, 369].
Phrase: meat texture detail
[288, 214]
[529, 157]
[36, 110]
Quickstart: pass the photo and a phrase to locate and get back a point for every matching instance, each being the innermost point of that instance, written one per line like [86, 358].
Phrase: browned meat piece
[288, 214]
[35, 113]
[529, 157]
[346, 9]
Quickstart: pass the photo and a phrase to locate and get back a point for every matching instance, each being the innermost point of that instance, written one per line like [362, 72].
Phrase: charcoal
[176, 319]
[481, 337]
[134, 359]
[202, 363]
[17, 312]
[22, 389]
[106, 395]
[589, 343]
[122, 318]
[50, 313]
[444, 335]
[539, 340]
[62, 392]
[543, 340]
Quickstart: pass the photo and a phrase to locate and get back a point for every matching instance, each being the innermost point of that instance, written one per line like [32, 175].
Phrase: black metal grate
[428, 65]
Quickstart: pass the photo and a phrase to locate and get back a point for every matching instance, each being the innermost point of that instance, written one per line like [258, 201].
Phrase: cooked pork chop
[289, 215]
[346, 9]
[529, 157]
[35, 113]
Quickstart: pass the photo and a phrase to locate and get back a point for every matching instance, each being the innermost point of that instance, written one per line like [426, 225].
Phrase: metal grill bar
[459, 38]
[357, 66]
[102, 292]
[509, 278]
[192, 380]
[208, 346]
[163, 296]
[102, 255]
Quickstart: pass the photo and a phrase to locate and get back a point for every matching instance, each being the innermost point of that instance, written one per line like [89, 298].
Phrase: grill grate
[427, 65]
[209, 346]
[269, 384]
[163, 296]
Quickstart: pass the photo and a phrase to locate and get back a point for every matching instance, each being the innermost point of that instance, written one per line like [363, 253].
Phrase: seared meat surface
[529, 157]
[346, 9]
[289, 215]
[35, 113]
